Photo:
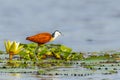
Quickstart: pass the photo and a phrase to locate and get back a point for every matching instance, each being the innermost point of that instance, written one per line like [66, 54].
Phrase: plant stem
[10, 57]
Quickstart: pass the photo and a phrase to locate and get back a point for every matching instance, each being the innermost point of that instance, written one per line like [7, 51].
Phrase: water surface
[87, 25]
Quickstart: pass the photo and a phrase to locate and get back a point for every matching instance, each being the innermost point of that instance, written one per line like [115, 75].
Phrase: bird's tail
[27, 38]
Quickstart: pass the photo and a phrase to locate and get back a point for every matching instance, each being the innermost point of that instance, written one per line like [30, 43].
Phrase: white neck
[55, 36]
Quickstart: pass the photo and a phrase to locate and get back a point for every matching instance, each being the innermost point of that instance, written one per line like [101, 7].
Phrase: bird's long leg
[36, 52]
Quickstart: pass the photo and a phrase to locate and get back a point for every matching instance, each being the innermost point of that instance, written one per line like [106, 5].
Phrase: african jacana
[43, 38]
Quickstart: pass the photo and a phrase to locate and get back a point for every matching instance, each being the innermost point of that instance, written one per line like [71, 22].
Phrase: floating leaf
[65, 49]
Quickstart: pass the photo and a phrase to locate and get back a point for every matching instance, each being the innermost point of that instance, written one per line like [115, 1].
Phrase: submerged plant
[12, 48]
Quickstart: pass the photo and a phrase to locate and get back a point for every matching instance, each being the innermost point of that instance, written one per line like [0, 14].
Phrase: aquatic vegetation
[54, 51]
[41, 72]
[112, 71]
[2, 52]
[58, 59]
[12, 48]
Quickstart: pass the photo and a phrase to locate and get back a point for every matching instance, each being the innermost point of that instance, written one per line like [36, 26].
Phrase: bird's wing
[40, 38]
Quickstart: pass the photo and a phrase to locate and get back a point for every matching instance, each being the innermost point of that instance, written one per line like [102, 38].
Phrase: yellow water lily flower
[12, 48]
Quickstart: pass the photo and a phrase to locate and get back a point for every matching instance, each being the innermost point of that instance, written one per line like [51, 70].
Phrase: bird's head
[56, 34]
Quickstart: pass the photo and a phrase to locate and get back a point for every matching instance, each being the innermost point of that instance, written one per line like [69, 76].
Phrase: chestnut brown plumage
[40, 38]
[43, 38]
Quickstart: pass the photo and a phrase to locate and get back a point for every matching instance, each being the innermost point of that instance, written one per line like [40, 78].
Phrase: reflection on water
[16, 76]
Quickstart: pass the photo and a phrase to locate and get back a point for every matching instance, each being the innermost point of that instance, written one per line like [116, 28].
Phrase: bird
[42, 38]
